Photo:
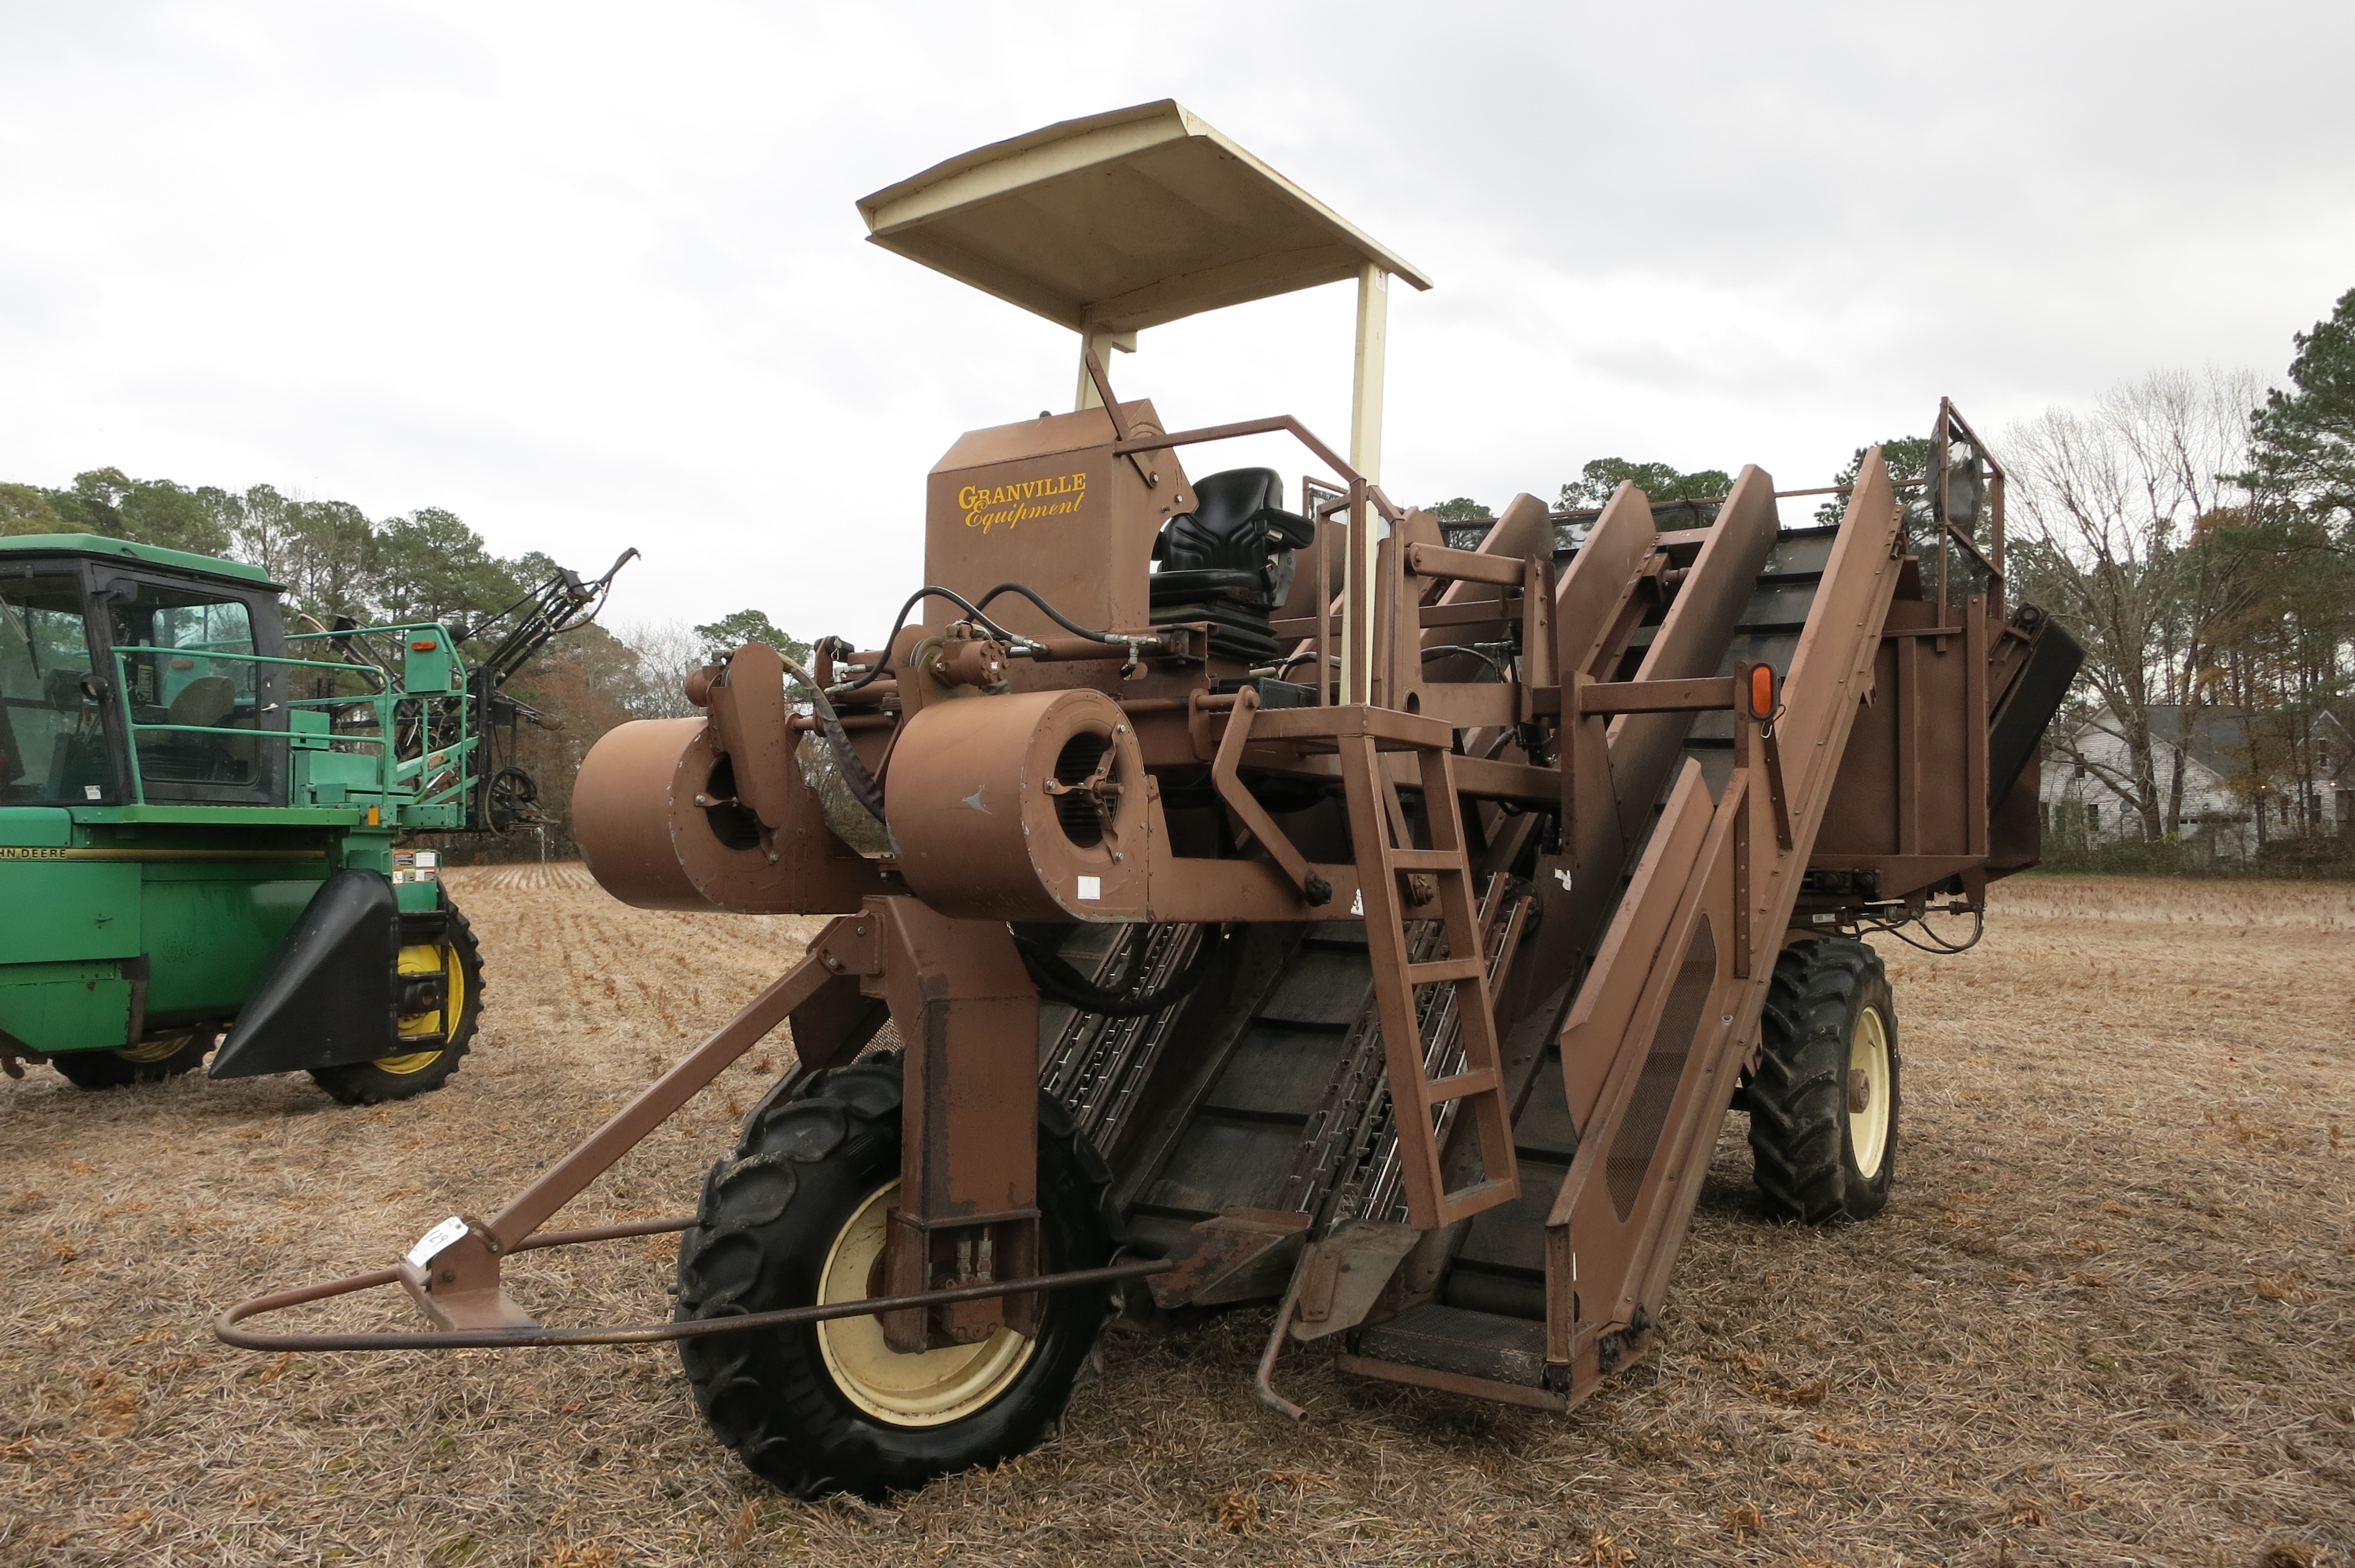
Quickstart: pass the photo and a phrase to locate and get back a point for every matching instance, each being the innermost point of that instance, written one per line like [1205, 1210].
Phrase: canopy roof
[1120, 221]
[123, 549]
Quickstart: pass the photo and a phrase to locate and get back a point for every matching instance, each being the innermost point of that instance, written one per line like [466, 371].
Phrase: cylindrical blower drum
[623, 811]
[982, 837]
[643, 812]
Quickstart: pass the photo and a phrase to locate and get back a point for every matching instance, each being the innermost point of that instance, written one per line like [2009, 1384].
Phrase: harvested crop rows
[2109, 1315]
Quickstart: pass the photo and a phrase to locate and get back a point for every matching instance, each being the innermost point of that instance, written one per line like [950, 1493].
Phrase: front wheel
[450, 970]
[149, 1062]
[1824, 1099]
[798, 1218]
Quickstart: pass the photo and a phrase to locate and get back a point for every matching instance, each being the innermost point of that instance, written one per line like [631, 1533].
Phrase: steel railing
[393, 770]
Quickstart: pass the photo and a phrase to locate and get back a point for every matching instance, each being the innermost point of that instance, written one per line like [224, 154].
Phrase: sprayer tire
[1817, 1161]
[400, 1077]
[118, 1069]
[805, 1177]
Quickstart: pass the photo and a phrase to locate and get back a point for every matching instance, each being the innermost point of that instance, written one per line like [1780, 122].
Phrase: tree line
[2194, 532]
[2200, 537]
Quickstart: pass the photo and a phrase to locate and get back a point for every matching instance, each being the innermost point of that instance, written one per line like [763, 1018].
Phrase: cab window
[53, 747]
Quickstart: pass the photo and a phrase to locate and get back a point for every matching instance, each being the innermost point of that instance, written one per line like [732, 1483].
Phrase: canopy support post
[1365, 457]
[1100, 341]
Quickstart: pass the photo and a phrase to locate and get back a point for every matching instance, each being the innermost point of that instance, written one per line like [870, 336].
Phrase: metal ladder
[1397, 876]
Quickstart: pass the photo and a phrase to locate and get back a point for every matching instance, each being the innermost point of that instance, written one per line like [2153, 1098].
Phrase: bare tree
[666, 653]
[2107, 507]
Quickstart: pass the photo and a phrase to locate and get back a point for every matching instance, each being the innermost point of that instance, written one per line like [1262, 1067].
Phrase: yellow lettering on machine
[985, 507]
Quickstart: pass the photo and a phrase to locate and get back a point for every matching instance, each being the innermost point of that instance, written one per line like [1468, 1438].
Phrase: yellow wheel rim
[927, 1389]
[424, 960]
[155, 1050]
[1868, 1128]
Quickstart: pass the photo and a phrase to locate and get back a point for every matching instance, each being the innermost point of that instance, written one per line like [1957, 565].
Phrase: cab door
[199, 698]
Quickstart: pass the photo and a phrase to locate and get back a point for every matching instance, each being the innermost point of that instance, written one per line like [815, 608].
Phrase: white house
[2225, 781]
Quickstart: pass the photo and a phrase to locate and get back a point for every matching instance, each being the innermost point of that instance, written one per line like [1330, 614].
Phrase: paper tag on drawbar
[1357, 902]
[432, 1243]
[1091, 887]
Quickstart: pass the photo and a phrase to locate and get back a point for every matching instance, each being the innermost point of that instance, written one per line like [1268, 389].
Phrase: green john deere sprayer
[199, 811]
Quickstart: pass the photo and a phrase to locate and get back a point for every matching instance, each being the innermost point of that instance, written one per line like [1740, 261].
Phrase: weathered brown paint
[1022, 766]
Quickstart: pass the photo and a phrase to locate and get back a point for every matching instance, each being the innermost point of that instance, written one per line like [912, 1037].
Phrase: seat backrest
[206, 700]
[1237, 524]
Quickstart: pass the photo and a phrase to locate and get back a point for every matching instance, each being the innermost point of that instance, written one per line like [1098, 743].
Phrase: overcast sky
[590, 275]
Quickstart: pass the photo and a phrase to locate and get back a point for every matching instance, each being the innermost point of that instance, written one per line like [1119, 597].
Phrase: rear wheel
[1823, 1100]
[443, 1032]
[149, 1062]
[798, 1218]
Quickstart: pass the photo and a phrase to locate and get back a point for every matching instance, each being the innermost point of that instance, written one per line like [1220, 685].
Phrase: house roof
[2219, 738]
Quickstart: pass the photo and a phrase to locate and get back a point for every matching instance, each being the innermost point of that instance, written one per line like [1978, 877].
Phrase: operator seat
[208, 702]
[1230, 561]
[205, 700]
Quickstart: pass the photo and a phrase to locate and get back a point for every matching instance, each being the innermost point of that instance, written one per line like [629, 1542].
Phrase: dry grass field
[2109, 1316]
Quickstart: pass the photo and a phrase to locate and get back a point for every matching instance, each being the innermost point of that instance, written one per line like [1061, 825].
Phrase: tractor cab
[132, 673]
[142, 677]
[199, 811]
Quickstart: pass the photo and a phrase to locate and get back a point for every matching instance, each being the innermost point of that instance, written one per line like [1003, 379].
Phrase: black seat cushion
[1240, 587]
[1242, 631]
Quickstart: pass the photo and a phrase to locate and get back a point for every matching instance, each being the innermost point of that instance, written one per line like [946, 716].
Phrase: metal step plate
[1469, 1344]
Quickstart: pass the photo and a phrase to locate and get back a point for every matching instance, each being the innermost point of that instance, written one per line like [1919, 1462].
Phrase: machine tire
[402, 1076]
[805, 1175]
[118, 1069]
[1828, 1016]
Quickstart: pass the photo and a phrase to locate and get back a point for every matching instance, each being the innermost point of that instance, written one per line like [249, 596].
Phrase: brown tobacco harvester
[1239, 903]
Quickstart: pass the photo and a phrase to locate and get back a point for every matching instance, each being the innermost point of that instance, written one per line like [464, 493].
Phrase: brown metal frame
[1667, 1012]
[460, 1287]
[225, 1325]
[1653, 991]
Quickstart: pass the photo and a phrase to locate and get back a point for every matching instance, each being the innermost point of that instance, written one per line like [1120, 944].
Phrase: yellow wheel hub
[155, 1050]
[930, 1388]
[424, 960]
[1868, 1092]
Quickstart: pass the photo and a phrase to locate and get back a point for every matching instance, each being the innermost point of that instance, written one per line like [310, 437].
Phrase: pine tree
[2305, 440]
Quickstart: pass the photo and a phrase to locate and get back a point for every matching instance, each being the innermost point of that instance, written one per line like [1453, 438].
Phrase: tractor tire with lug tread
[797, 1216]
[150, 1062]
[1823, 1100]
[397, 1077]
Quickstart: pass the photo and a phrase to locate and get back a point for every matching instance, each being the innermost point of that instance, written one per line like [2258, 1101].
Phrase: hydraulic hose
[1060, 982]
[979, 613]
[901, 620]
[861, 783]
[863, 787]
[1935, 943]
[1057, 615]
